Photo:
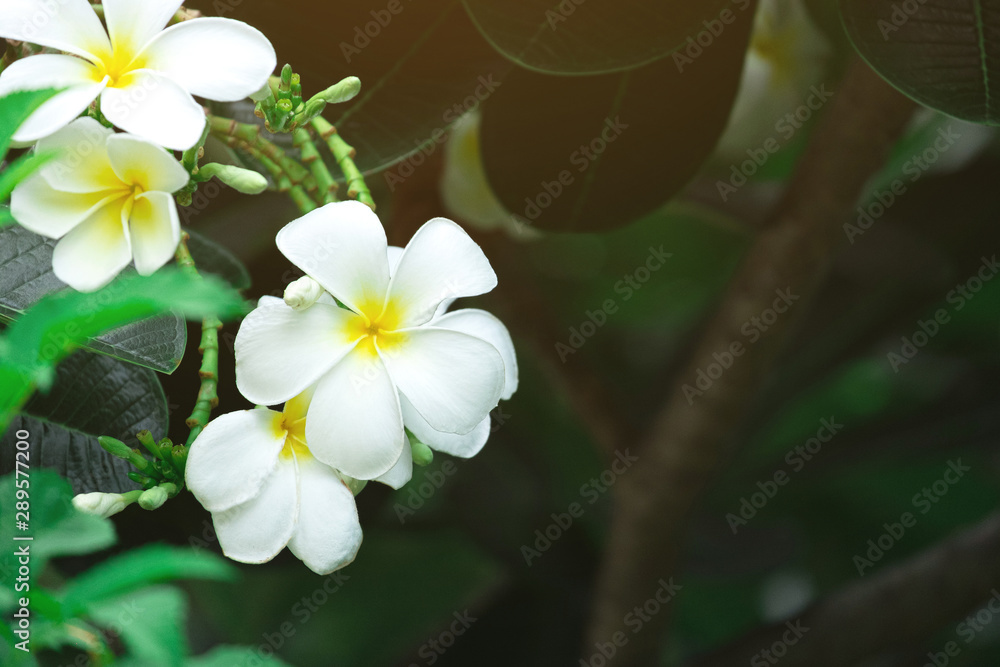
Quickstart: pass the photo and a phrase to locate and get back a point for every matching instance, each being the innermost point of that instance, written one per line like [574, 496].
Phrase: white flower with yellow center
[108, 197]
[388, 358]
[144, 75]
[253, 471]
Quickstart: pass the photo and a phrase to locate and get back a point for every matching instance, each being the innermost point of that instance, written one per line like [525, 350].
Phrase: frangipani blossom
[388, 358]
[109, 197]
[253, 471]
[145, 75]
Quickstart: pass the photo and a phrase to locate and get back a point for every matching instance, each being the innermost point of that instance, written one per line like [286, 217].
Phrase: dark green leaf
[26, 276]
[227, 656]
[210, 257]
[19, 170]
[139, 568]
[596, 36]
[564, 153]
[15, 109]
[92, 395]
[944, 54]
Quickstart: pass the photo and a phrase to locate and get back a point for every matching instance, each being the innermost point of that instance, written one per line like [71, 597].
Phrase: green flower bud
[153, 498]
[242, 180]
[100, 504]
[115, 447]
[422, 454]
[344, 91]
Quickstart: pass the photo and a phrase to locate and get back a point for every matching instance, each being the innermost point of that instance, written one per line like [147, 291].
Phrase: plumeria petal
[66, 25]
[342, 246]
[394, 253]
[138, 162]
[354, 422]
[132, 24]
[155, 230]
[328, 532]
[402, 472]
[232, 458]
[257, 530]
[51, 70]
[462, 446]
[40, 208]
[154, 107]
[440, 262]
[81, 164]
[95, 251]
[216, 58]
[280, 351]
[484, 325]
[451, 378]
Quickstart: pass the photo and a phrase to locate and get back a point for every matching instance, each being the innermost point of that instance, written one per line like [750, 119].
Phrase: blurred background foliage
[451, 543]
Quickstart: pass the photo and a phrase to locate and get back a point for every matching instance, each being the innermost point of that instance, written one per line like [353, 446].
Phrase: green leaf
[92, 395]
[210, 257]
[419, 71]
[139, 568]
[26, 276]
[597, 36]
[594, 153]
[23, 167]
[15, 109]
[150, 623]
[227, 656]
[61, 322]
[944, 54]
[57, 527]
[6, 218]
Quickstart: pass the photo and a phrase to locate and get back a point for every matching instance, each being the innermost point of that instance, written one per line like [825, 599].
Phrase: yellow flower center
[292, 425]
[378, 332]
[115, 65]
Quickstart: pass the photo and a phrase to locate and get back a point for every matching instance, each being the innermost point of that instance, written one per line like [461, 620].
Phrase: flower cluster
[362, 351]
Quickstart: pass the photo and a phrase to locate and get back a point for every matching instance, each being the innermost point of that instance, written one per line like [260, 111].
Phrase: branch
[687, 441]
[902, 605]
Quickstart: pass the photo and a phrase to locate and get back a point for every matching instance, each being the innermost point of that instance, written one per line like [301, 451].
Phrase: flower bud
[242, 180]
[302, 293]
[99, 504]
[344, 91]
[153, 498]
[422, 454]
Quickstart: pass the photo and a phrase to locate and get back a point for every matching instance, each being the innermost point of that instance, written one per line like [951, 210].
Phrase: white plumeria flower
[109, 197]
[253, 471]
[788, 55]
[144, 75]
[390, 360]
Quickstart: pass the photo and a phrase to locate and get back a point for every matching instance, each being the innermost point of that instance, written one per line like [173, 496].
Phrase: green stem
[325, 182]
[190, 157]
[344, 154]
[208, 397]
[250, 134]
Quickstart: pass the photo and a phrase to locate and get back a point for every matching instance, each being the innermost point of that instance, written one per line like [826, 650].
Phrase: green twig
[344, 154]
[208, 397]
[326, 185]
